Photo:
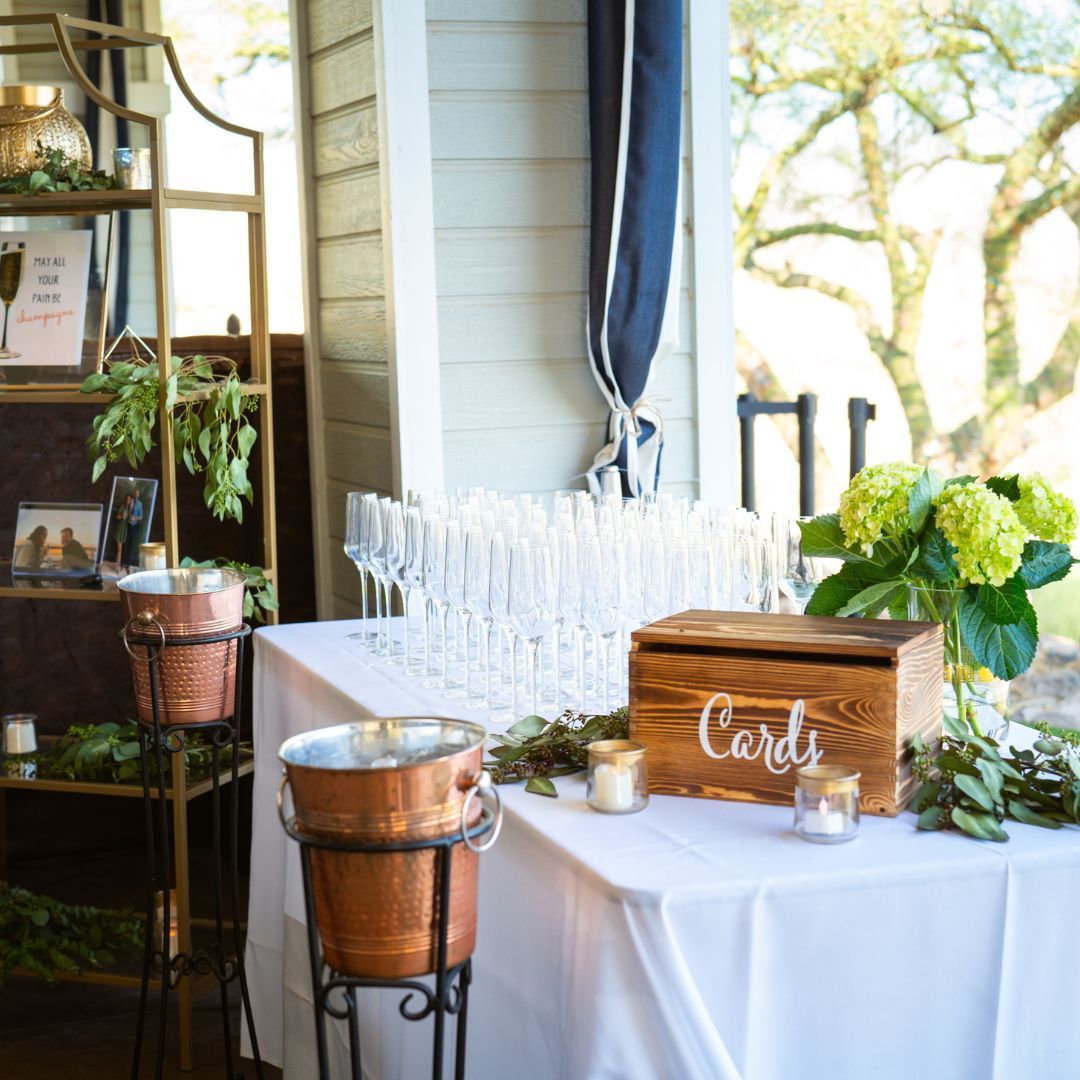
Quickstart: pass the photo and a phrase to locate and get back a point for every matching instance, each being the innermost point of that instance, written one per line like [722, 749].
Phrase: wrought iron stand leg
[354, 1032]
[164, 877]
[234, 859]
[219, 904]
[464, 979]
[315, 954]
[148, 934]
[440, 969]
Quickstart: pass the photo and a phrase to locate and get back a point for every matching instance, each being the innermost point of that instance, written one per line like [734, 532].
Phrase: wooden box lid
[805, 635]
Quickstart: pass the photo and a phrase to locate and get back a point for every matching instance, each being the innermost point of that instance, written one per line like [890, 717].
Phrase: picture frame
[57, 540]
[54, 299]
[127, 524]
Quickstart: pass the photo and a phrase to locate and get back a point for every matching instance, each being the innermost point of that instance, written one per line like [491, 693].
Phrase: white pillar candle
[823, 821]
[613, 787]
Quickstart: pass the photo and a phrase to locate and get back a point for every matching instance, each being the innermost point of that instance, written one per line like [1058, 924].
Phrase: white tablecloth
[694, 939]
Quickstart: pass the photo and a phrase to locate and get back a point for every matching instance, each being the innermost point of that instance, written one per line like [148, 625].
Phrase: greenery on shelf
[42, 935]
[59, 173]
[260, 598]
[972, 785]
[211, 430]
[109, 753]
[535, 749]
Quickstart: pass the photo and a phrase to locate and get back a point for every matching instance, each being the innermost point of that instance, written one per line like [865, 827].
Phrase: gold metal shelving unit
[70, 37]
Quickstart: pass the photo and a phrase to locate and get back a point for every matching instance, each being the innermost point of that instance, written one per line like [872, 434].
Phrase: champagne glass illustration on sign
[12, 254]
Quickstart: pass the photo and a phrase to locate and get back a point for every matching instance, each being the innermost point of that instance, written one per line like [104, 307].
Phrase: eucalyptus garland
[211, 430]
[535, 749]
[41, 935]
[972, 785]
[109, 753]
[57, 173]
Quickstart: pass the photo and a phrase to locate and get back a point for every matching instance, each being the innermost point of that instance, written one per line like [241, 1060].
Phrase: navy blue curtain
[635, 106]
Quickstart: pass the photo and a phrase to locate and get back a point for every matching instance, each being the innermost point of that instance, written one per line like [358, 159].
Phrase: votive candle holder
[618, 782]
[827, 803]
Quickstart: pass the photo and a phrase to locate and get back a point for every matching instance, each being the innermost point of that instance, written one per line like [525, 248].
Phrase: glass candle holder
[131, 166]
[827, 803]
[618, 782]
[152, 556]
[20, 741]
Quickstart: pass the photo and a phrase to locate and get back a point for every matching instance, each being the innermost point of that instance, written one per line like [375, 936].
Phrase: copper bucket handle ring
[47, 110]
[281, 799]
[144, 618]
[481, 786]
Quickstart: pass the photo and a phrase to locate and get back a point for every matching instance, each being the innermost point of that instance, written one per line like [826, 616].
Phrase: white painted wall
[509, 128]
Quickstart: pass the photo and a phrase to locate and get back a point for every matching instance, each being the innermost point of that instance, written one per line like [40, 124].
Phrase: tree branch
[816, 228]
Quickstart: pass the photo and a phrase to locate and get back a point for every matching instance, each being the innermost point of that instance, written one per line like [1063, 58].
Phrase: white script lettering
[779, 755]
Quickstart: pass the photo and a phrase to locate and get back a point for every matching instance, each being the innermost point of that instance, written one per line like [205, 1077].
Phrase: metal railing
[860, 413]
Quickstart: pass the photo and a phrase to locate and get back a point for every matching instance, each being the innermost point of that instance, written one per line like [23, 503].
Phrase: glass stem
[513, 677]
[558, 667]
[485, 634]
[429, 659]
[467, 620]
[388, 587]
[444, 610]
[406, 592]
[363, 604]
[603, 643]
[579, 641]
[532, 658]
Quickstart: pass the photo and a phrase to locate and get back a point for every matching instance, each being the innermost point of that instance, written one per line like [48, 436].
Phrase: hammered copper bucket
[389, 781]
[33, 115]
[196, 683]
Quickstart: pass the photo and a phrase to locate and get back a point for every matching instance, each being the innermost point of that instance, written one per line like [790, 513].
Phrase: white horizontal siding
[509, 126]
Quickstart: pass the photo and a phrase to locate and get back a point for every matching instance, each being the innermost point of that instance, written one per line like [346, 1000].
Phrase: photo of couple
[56, 539]
[131, 510]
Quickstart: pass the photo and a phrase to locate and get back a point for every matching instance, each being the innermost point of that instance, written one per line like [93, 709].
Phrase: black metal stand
[160, 744]
[450, 995]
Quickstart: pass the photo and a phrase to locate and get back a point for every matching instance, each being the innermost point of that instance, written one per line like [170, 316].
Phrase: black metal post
[450, 995]
[747, 412]
[806, 410]
[860, 412]
[163, 743]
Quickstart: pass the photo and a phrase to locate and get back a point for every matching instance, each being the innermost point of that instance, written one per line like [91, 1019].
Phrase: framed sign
[55, 300]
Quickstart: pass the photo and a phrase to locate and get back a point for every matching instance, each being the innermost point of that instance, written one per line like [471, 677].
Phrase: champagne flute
[377, 564]
[531, 605]
[12, 257]
[434, 573]
[356, 548]
[799, 572]
[413, 571]
[395, 570]
[455, 593]
[477, 600]
[603, 600]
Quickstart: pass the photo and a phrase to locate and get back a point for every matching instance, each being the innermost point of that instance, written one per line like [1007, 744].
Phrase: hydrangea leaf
[1006, 650]
[1007, 604]
[936, 557]
[822, 537]
[1044, 563]
[921, 498]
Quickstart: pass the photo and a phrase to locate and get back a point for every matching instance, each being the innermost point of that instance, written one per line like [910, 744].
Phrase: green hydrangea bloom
[1046, 513]
[983, 527]
[876, 503]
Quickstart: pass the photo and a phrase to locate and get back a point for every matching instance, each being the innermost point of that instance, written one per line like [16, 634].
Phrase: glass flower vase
[969, 692]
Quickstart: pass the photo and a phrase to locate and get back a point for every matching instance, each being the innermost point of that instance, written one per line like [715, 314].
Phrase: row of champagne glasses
[554, 583]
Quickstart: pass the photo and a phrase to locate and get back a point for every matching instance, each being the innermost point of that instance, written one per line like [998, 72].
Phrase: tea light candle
[617, 782]
[614, 788]
[826, 803]
[823, 821]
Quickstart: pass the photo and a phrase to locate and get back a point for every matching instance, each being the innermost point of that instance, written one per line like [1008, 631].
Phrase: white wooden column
[713, 316]
[408, 232]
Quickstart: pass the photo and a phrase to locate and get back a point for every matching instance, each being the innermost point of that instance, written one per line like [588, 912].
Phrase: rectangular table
[694, 939]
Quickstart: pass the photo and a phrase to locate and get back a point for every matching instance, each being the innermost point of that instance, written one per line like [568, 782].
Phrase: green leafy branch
[42, 935]
[535, 750]
[109, 753]
[260, 597]
[969, 784]
[209, 414]
[58, 173]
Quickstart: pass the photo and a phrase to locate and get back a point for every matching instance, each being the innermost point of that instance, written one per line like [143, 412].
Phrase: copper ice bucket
[196, 683]
[389, 781]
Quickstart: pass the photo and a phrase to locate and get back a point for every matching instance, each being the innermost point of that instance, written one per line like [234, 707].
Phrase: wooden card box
[729, 704]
